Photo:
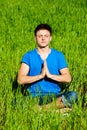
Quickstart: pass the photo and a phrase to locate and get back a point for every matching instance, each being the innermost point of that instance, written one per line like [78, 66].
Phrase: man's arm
[24, 79]
[63, 77]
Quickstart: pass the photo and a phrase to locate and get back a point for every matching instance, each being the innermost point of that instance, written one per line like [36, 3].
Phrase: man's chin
[43, 46]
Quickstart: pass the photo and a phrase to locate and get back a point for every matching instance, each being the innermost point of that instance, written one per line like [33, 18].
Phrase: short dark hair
[43, 27]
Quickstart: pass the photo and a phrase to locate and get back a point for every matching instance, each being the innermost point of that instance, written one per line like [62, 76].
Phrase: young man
[43, 68]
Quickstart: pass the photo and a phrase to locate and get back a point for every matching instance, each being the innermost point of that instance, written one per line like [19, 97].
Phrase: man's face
[43, 38]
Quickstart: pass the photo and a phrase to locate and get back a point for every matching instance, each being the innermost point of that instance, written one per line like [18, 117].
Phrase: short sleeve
[26, 59]
[62, 61]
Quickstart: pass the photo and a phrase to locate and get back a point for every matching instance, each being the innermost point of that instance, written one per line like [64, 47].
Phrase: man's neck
[44, 52]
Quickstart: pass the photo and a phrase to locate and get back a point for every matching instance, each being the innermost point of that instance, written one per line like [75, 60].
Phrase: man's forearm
[61, 78]
[28, 79]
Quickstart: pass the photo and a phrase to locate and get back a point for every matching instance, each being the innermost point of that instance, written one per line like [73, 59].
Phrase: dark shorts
[68, 99]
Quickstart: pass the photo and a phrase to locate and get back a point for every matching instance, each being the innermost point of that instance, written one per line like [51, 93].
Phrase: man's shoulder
[57, 51]
[27, 56]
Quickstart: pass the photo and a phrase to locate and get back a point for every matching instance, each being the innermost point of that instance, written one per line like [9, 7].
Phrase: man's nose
[43, 37]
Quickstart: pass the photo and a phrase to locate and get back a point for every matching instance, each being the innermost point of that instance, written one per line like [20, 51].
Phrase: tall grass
[18, 19]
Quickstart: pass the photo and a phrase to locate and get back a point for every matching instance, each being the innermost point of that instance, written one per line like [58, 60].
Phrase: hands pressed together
[45, 71]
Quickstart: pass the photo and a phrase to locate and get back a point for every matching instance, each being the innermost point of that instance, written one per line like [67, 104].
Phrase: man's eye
[40, 36]
[46, 36]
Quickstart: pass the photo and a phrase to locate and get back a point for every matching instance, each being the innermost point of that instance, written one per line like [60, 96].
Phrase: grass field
[18, 19]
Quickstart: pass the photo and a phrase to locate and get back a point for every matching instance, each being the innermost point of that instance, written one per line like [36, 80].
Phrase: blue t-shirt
[55, 62]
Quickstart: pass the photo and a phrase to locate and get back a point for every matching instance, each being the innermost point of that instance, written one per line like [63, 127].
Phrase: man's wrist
[40, 76]
[50, 76]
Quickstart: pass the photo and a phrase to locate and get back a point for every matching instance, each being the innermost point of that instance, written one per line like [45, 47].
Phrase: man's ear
[50, 38]
[35, 38]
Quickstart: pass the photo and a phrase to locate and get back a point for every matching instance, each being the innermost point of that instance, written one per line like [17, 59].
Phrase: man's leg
[63, 102]
[55, 106]
[59, 103]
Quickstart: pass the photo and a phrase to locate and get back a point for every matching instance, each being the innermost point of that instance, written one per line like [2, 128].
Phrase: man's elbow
[19, 80]
[69, 79]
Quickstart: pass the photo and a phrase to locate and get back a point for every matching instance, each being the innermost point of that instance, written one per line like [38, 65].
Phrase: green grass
[18, 20]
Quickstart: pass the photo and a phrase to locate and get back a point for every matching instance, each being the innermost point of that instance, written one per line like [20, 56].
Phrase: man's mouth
[43, 42]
